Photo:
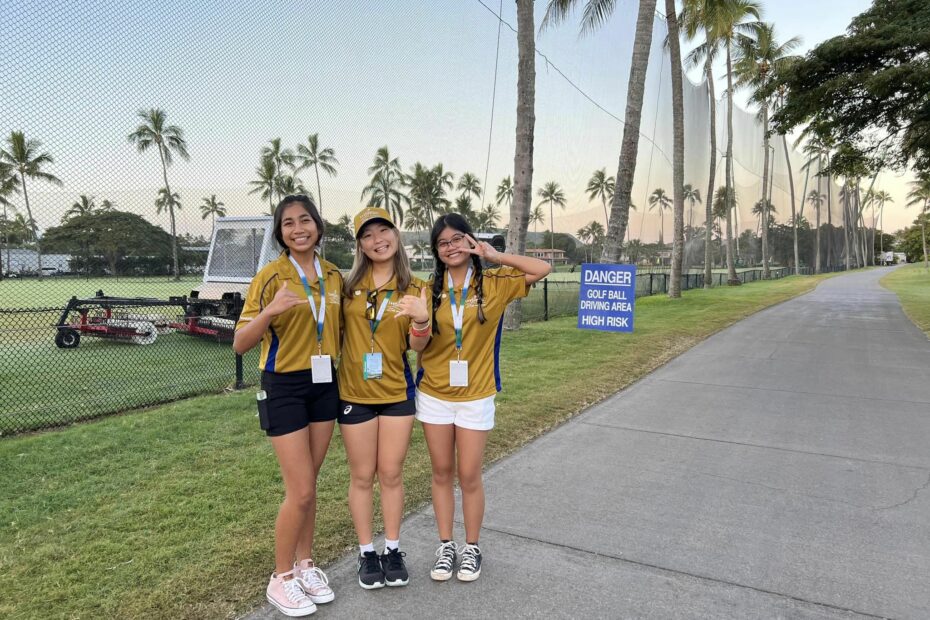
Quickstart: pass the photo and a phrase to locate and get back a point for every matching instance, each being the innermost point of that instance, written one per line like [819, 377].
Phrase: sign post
[607, 296]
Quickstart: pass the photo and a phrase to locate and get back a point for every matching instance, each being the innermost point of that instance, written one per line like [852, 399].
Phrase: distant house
[27, 262]
[556, 256]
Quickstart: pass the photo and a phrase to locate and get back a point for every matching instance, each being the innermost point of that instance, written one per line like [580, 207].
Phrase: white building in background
[27, 261]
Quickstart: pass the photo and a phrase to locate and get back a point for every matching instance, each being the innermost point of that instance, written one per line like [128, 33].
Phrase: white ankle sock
[391, 544]
[363, 549]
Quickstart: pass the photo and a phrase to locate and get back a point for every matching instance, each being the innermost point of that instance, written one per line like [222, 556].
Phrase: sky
[414, 75]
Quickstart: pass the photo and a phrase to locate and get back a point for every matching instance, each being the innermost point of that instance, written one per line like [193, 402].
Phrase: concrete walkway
[780, 469]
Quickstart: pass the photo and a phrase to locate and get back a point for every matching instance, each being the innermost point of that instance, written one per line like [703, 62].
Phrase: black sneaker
[395, 571]
[370, 575]
[445, 562]
[470, 569]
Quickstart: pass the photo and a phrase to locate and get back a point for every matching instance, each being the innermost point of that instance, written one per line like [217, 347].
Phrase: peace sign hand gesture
[414, 307]
[482, 249]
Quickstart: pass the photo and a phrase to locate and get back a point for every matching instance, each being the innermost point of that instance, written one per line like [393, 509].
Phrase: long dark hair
[307, 203]
[459, 223]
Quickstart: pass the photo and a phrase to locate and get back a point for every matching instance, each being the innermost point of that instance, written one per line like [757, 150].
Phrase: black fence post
[546, 299]
[239, 382]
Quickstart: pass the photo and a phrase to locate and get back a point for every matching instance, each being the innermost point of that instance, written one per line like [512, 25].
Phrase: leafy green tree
[469, 185]
[168, 140]
[9, 185]
[692, 195]
[82, 206]
[551, 194]
[265, 182]
[281, 157]
[874, 77]
[505, 192]
[24, 158]
[537, 216]
[313, 155]
[919, 196]
[601, 187]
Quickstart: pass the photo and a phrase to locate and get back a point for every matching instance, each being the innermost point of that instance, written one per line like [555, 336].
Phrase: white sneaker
[445, 562]
[288, 597]
[314, 582]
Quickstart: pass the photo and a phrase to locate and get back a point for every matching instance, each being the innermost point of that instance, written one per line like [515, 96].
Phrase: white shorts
[476, 415]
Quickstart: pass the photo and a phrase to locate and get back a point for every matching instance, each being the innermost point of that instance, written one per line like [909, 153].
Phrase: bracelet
[419, 333]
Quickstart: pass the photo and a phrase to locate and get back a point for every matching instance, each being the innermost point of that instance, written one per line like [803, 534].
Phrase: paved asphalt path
[780, 469]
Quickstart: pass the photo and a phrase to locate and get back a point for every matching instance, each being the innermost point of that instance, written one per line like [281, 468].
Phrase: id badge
[458, 373]
[321, 367]
[372, 366]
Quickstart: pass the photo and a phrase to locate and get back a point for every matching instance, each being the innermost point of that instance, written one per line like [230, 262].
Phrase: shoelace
[372, 562]
[395, 559]
[446, 555]
[294, 593]
[316, 578]
[470, 558]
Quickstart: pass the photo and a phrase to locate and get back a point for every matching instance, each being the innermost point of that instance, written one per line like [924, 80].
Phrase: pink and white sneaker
[313, 581]
[285, 593]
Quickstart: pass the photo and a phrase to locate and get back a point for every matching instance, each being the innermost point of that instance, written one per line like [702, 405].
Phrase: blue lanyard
[458, 312]
[320, 317]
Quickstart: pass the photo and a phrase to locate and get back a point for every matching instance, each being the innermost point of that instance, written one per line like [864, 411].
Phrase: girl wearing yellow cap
[461, 376]
[385, 313]
[292, 309]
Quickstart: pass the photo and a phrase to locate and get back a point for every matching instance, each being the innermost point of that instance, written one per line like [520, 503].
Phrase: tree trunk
[764, 216]
[678, 151]
[817, 206]
[6, 239]
[523, 154]
[32, 223]
[846, 226]
[709, 198]
[319, 196]
[620, 205]
[551, 237]
[732, 278]
[170, 199]
[794, 217]
[923, 235]
[830, 264]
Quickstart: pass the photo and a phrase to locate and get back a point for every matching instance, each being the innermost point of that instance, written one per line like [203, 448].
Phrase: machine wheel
[67, 338]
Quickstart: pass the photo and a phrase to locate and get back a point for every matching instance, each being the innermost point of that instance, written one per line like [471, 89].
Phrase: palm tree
[881, 197]
[469, 185]
[522, 192]
[463, 208]
[537, 216]
[169, 140]
[212, 208]
[816, 199]
[265, 182]
[697, 16]
[763, 206]
[8, 186]
[24, 158]
[920, 195]
[106, 205]
[596, 13]
[584, 234]
[551, 193]
[288, 184]
[280, 157]
[310, 154]
[164, 203]
[758, 57]
[488, 217]
[678, 149]
[505, 192]
[384, 189]
[658, 199]
[692, 195]
[84, 205]
[600, 186]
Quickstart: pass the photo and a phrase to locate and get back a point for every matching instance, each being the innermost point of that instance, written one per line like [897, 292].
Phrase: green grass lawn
[912, 285]
[55, 291]
[169, 512]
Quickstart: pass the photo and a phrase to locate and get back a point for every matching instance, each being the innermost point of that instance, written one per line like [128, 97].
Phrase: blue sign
[607, 295]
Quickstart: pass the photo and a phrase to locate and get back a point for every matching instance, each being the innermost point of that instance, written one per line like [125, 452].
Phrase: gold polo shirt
[290, 339]
[480, 342]
[396, 383]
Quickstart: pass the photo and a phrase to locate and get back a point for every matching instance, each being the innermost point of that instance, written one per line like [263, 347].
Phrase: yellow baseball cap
[369, 214]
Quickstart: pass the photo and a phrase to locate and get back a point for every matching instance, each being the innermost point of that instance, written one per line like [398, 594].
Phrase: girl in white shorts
[460, 376]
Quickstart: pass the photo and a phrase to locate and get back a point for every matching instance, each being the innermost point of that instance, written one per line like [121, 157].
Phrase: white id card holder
[321, 367]
[371, 368]
[458, 373]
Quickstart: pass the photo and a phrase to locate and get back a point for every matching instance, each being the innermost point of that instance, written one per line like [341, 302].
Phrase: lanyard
[377, 321]
[458, 312]
[321, 318]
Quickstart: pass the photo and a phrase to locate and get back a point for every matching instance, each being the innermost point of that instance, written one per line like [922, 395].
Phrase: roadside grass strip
[912, 285]
[169, 512]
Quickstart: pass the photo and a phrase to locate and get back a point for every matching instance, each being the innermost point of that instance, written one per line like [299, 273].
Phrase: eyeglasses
[456, 240]
[370, 302]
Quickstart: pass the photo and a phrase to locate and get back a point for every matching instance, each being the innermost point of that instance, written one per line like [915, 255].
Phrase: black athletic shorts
[293, 401]
[356, 413]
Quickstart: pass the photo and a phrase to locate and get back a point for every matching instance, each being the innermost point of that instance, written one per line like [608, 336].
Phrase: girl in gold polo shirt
[461, 376]
[385, 312]
[292, 309]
